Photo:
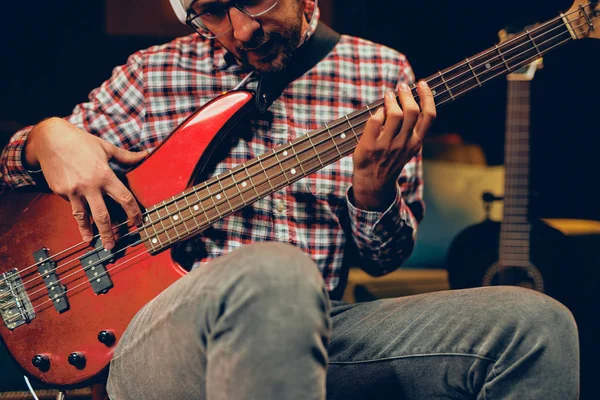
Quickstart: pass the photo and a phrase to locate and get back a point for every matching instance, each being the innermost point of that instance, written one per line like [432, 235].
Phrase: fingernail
[390, 95]
[109, 246]
[404, 87]
[423, 84]
[87, 238]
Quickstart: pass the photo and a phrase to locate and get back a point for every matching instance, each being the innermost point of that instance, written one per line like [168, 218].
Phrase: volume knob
[41, 362]
[106, 337]
[77, 360]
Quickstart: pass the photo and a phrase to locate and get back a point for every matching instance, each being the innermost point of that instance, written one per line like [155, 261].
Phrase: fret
[148, 236]
[176, 218]
[161, 220]
[473, 72]
[446, 85]
[191, 212]
[237, 185]
[264, 172]
[298, 160]
[502, 57]
[199, 207]
[352, 128]
[252, 185]
[224, 194]
[215, 204]
[333, 140]
[315, 149]
[156, 238]
[369, 110]
[285, 176]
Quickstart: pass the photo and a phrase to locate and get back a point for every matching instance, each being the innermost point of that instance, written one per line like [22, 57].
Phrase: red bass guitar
[65, 304]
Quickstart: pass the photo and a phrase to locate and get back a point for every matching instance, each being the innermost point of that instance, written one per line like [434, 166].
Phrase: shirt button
[280, 206]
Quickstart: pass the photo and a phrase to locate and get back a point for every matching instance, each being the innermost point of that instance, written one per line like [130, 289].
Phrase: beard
[278, 46]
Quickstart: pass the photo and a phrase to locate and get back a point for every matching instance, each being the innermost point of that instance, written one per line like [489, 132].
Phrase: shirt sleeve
[384, 240]
[114, 112]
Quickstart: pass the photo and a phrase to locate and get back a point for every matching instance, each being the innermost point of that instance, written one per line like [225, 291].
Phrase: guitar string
[139, 242]
[231, 174]
[507, 43]
[283, 172]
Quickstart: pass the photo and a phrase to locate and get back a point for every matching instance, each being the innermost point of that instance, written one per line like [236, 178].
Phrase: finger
[82, 217]
[117, 190]
[123, 156]
[428, 111]
[373, 128]
[393, 117]
[411, 112]
[102, 219]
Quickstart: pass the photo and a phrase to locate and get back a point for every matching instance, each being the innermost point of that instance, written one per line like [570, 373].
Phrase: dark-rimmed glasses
[212, 20]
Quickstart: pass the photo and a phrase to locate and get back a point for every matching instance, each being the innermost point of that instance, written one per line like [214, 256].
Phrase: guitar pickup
[94, 264]
[56, 290]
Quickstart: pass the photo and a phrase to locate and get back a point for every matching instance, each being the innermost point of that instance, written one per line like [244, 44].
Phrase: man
[256, 322]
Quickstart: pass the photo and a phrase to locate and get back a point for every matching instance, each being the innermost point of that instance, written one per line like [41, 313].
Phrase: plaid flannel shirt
[158, 88]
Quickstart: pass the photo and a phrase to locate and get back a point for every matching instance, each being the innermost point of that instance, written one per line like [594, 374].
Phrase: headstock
[583, 19]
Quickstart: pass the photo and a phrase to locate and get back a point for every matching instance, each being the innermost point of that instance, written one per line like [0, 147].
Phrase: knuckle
[102, 218]
[396, 113]
[127, 199]
[80, 216]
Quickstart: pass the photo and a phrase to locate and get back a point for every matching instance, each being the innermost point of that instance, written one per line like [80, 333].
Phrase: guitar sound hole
[524, 276]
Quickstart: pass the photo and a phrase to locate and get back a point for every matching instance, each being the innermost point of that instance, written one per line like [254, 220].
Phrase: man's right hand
[75, 165]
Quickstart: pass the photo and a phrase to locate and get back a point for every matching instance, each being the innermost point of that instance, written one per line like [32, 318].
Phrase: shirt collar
[223, 59]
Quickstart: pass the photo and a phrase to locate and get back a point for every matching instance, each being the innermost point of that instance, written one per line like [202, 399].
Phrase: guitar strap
[271, 85]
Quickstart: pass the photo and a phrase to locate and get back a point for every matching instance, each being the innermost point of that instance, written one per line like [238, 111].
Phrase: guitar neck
[515, 228]
[200, 206]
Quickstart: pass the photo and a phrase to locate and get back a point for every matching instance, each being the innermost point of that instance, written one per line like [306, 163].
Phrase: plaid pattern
[159, 87]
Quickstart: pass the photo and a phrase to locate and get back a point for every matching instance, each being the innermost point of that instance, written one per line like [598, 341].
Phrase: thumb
[126, 157]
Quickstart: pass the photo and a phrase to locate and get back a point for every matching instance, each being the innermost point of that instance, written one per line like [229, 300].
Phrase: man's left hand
[392, 137]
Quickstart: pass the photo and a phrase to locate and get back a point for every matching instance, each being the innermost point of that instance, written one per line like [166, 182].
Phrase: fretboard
[195, 209]
[515, 227]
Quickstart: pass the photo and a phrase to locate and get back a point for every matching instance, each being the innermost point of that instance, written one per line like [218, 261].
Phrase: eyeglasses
[212, 20]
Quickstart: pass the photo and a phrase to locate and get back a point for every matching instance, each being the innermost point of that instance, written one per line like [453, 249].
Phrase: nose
[242, 25]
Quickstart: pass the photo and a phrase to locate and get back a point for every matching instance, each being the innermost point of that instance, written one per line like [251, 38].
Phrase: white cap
[180, 8]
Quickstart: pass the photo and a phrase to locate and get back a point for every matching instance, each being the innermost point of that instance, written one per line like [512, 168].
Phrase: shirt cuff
[377, 227]
[12, 168]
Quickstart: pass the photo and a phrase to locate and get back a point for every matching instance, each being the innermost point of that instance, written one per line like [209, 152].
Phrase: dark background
[55, 52]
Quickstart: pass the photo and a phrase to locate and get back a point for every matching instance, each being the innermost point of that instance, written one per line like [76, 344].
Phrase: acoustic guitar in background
[518, 251]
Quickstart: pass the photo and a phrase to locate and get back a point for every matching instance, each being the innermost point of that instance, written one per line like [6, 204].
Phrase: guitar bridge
[15, 307]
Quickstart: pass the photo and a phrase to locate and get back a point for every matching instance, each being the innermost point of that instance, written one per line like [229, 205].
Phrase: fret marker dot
[433, 92]
[285, 153]
[218, 197]
[196, 208]
[154, 240]
[293, 171]
[244, 184]
[343, 136]
[488, 66]
[176, 217]
[146, 219]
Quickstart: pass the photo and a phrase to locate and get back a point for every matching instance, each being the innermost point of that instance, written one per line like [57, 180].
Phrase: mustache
[259, 39]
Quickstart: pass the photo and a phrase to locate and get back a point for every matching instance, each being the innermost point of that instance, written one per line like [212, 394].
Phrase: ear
[180, 10]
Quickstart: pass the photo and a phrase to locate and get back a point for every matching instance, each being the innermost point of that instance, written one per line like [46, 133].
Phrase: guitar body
[473, 256]
[30, 221]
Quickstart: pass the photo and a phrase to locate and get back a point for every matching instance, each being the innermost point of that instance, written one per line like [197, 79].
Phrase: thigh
[435, 345]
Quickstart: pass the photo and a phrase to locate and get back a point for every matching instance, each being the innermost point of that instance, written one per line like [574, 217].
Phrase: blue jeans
[257, 324]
